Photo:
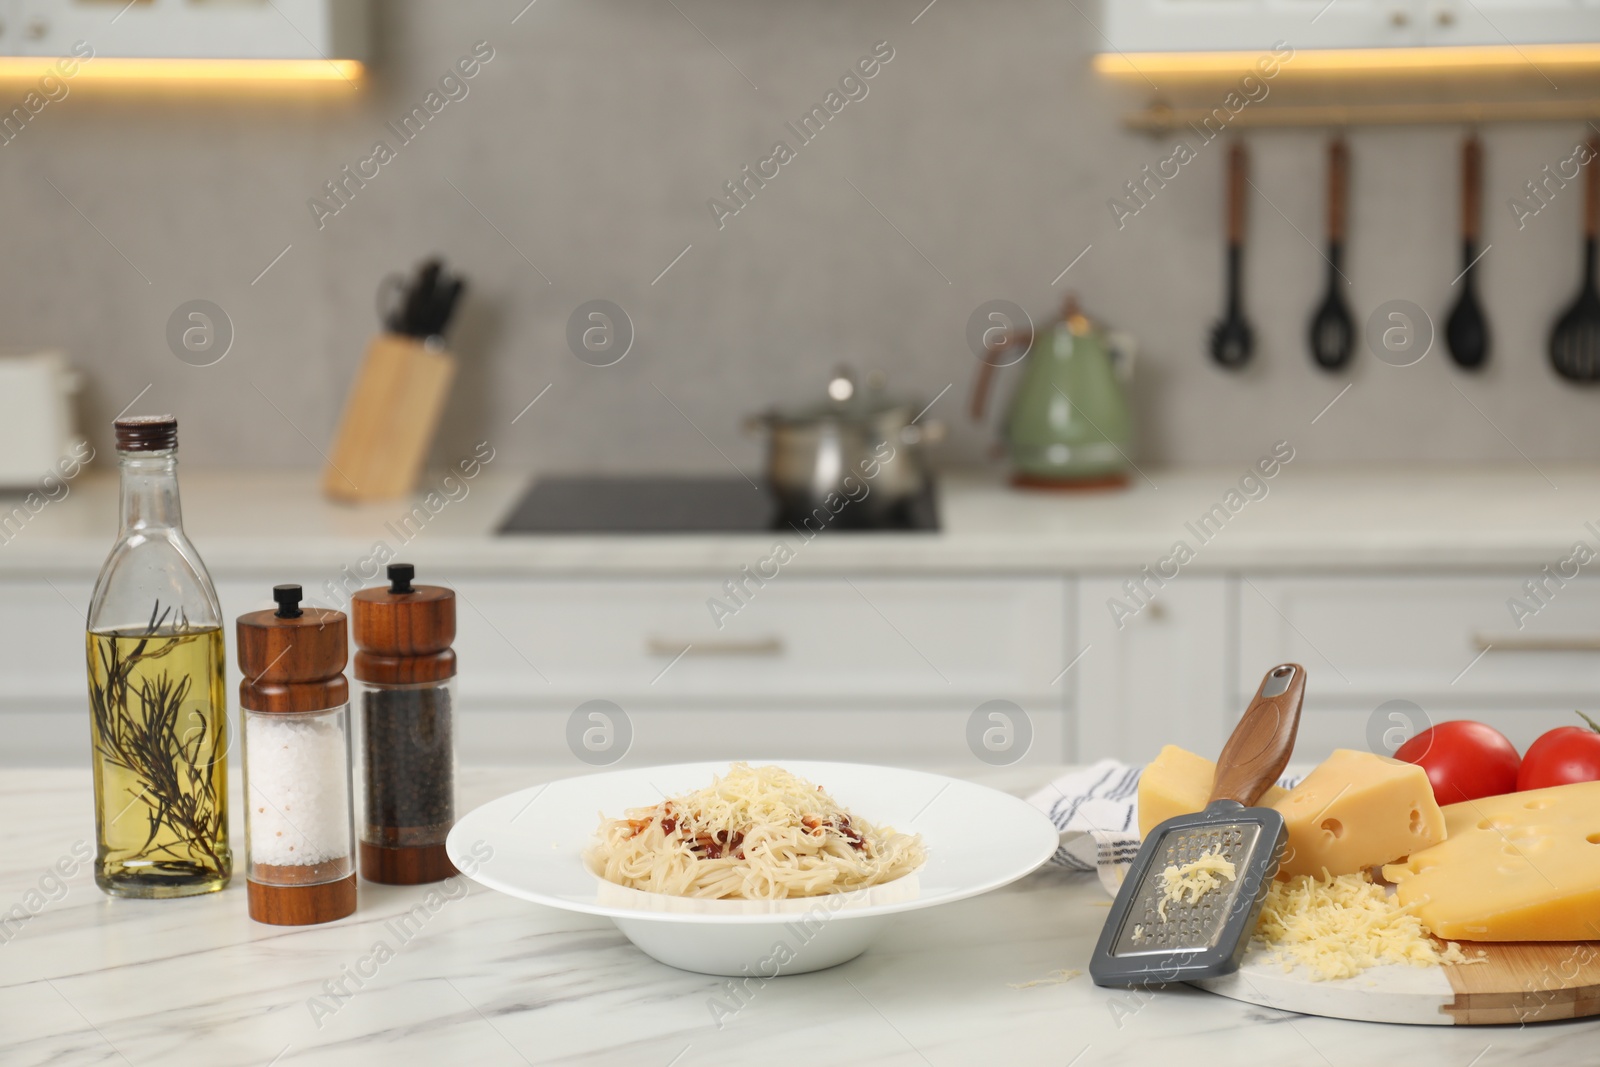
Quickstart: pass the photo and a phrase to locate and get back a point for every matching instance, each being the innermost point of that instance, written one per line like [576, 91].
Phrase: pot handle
[928, 433]
[1014, 336]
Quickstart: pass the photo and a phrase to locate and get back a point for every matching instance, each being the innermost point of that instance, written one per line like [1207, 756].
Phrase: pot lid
[846, 401]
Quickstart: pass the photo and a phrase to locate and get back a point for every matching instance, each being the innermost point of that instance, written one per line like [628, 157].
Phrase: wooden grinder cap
[293, 659]
[403, 632]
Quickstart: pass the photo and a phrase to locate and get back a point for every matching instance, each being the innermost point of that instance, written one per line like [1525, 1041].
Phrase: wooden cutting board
[389, 420]
[1521, 982]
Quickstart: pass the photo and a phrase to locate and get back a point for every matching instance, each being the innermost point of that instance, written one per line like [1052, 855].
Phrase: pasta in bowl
[808, 900]
[755, 833]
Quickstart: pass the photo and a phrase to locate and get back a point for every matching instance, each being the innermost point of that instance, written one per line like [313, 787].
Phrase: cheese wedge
[1178, 782]
[1519, 867]
[1358, 810]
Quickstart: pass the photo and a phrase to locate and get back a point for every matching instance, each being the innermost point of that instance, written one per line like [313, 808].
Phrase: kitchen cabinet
[1162, 676]
[842, 668]
[187, 29]
[1387, 655]
[798, 641]
[858, 668]
[1448, 644]
[896, 668]
[1497, 22]
[44, 704]
[1255, 25]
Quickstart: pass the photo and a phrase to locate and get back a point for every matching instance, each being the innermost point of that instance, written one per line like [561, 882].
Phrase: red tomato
[1464, 760]
[1562, 756]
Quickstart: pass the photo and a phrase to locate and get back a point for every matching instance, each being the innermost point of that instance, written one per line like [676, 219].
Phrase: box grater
[1206, 937]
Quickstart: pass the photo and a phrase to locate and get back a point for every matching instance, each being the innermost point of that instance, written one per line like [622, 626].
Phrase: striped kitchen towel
[1096, 808]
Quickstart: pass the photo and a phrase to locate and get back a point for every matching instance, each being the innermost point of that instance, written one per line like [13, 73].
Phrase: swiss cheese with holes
[1358, 810]
[1518, 867]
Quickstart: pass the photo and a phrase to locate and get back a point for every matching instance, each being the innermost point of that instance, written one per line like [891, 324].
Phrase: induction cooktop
[584, 504]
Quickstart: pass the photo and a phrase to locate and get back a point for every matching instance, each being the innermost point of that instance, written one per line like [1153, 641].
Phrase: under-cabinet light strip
[1357, 60]
[112, 69]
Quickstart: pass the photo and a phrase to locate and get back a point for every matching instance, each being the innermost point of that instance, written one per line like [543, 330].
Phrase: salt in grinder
[295, 712]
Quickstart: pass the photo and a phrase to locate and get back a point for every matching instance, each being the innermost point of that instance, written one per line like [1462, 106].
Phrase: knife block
[389, 420]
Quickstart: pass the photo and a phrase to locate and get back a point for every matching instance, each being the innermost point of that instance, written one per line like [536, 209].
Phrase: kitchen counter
[1389, 517]
[490, 980]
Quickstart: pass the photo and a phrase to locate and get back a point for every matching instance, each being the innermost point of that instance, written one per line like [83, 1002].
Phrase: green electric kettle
[1069, 426]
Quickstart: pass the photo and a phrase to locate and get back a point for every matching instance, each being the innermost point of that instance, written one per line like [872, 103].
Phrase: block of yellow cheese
[1358, 810]
[1518, 867]
[1178, 782]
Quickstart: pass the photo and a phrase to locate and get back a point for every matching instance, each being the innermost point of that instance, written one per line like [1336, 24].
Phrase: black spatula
[1332, 334]
[1575, 341]
[1150, 938]
[1466, 331]
[1232, 339]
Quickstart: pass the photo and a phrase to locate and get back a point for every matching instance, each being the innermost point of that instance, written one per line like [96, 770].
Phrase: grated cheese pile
[1338, 927]
[1053, 978]
[1193, 880]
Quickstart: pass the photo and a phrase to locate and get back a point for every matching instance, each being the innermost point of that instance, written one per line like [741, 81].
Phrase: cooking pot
[852, 459]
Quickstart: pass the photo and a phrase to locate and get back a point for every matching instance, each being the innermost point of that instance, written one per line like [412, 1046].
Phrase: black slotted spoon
[1232, 339]
[1332, 333]
[1575, 341]
[1466, 331]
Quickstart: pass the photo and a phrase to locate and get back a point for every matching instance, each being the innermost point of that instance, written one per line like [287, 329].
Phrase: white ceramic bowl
[530, 845]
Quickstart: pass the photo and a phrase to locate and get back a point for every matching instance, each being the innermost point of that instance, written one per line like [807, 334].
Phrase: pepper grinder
[295, 709]
[405, 669]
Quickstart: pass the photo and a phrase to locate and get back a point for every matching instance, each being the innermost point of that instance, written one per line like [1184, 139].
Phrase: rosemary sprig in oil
[137, 729]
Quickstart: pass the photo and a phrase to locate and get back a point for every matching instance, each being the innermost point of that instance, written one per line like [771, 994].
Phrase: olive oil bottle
[157, 697]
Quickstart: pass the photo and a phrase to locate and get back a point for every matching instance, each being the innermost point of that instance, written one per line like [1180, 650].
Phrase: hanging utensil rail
[1161, 118]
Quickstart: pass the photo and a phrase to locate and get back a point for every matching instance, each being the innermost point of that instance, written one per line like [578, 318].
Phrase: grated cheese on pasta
[756, 833]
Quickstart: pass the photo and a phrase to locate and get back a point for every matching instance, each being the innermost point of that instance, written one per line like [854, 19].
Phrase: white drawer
[797, 642]
[1364, 640]
[926, 737]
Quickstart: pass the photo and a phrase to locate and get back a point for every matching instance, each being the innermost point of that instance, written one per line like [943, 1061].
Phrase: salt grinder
[405, 670]
[295, 709]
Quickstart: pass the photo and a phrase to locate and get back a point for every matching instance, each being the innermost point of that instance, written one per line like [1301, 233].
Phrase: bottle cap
[403, 632]
[147, 433]
[293, 658]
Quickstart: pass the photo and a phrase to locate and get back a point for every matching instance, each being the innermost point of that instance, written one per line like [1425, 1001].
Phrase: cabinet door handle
[761, 646]
[1518, 643]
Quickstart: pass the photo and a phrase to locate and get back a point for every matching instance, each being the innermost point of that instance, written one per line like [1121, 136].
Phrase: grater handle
[1262, 742]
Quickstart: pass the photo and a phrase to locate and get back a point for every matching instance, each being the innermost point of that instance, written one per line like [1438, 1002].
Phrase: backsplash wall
[577, 164]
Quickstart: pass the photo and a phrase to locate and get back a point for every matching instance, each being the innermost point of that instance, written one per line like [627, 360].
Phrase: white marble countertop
[1410, 517]
[489, 980]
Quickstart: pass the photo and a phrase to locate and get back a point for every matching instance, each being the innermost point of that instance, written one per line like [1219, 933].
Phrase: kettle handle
[1124, 347]
[986, 366]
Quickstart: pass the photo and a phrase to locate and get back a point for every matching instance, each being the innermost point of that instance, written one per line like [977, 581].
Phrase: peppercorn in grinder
[405, 671]
[294, 711]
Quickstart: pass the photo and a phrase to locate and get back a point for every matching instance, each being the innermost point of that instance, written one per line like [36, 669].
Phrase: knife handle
[1260, 746]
